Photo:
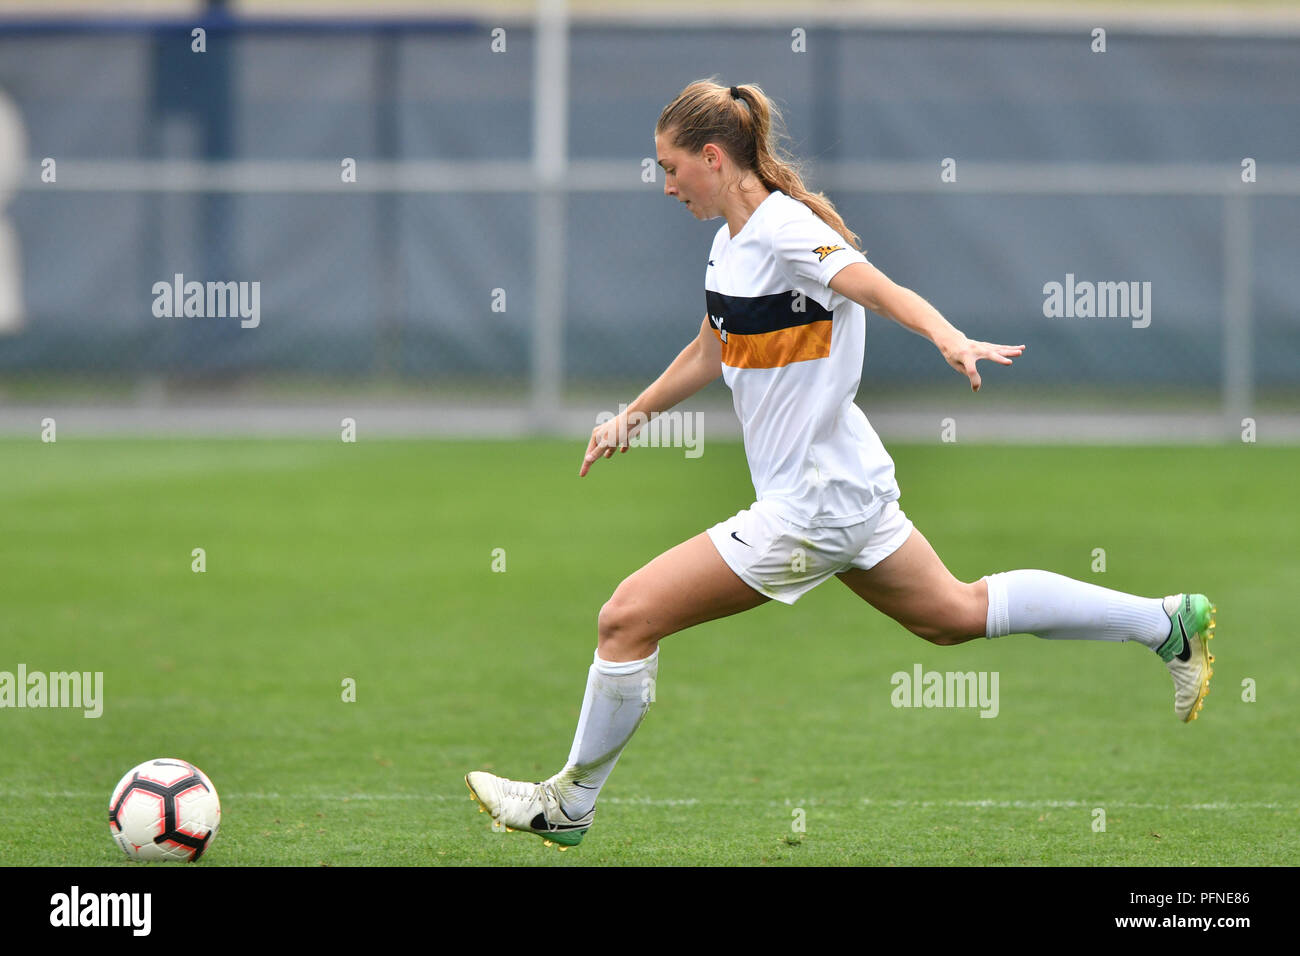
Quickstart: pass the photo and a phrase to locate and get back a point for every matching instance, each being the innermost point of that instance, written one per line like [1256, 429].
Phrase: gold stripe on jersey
[799, 343]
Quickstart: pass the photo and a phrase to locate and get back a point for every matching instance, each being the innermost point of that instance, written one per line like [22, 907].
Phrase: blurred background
[454, 221]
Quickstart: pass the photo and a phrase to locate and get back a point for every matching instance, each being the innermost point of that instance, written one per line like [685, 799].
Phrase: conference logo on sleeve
[824, 251]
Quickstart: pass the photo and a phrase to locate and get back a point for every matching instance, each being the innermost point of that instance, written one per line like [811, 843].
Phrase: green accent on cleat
[528, 808]
[565, 838]
[1196, 614]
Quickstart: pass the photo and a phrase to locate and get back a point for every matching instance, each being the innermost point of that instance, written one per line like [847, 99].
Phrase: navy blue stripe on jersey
[753, 315]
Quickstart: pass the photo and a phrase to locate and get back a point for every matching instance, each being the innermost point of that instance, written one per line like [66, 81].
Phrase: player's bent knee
[969, 615]
[622, 632]
[955, 623]
[611, 622]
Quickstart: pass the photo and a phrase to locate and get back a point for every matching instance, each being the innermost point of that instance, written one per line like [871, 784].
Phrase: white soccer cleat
[531, 807]
[1186, 654]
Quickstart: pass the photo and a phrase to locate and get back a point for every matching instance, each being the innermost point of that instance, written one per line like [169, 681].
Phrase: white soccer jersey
[792, 352]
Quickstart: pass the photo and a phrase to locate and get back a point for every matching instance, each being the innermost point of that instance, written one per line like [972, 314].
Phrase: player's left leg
[913, 587]
[686, 585]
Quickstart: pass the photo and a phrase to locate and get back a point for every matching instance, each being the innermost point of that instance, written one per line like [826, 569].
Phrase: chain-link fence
[380, 205]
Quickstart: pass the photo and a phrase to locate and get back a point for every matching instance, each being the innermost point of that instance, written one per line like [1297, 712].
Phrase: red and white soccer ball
[164, 809]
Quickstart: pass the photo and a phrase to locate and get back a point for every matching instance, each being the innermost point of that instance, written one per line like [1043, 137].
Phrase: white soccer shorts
[783, 561]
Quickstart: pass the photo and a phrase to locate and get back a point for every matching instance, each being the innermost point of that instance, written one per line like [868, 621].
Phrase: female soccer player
[786, 286]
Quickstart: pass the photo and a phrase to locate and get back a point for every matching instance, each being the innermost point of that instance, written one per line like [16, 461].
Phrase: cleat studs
[563, 848]
[510, 829]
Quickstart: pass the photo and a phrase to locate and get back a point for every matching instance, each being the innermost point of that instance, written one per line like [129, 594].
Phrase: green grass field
[373, 561]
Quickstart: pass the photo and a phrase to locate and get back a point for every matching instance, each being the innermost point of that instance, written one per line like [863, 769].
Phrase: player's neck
[743, 203]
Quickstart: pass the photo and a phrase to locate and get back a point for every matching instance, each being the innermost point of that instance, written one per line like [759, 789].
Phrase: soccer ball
[164, 810]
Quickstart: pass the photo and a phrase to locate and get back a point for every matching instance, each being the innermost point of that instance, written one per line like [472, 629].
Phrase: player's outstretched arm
[695, 366]
[871, 288]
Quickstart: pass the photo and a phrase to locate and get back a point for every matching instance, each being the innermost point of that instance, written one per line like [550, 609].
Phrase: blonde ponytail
[748, 127]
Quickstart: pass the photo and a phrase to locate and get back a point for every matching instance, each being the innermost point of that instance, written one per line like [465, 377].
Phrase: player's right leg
[900, 574]
[684, 586]
[1052, 606]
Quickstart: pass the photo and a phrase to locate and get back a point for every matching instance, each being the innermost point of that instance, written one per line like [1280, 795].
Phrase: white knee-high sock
[618, 696]
[1058, 608]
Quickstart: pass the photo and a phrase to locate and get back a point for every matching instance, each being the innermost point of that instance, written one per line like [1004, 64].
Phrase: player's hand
[606, 438]
[962, 354]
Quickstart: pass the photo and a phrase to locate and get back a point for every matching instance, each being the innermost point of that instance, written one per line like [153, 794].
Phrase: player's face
[689, 179]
